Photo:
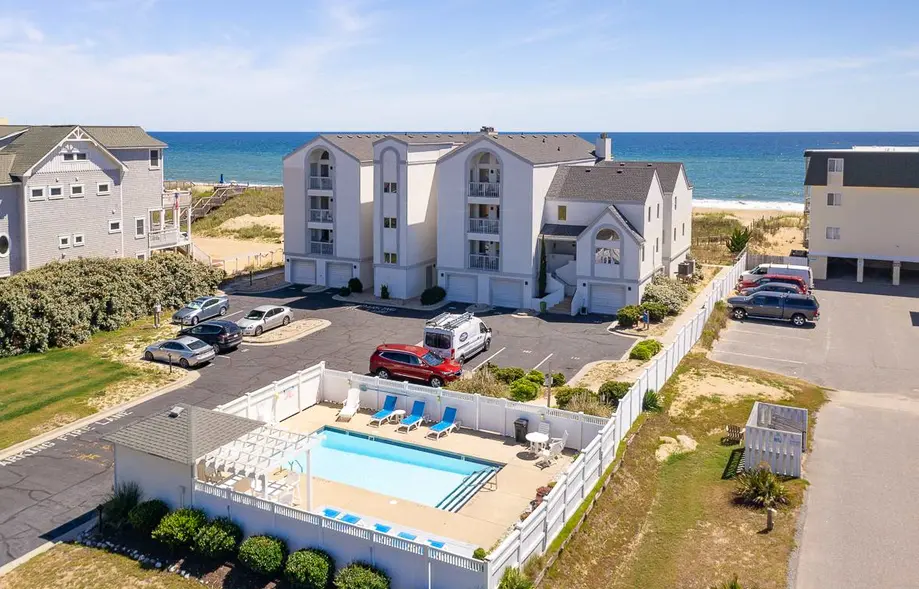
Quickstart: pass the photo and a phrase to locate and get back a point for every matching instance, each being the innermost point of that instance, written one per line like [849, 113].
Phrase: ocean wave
[757, 205]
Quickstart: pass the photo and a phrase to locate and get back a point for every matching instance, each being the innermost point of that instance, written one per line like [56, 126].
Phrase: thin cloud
[18, 29]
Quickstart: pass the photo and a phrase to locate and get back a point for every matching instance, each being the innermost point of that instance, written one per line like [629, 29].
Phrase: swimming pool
[431, 477]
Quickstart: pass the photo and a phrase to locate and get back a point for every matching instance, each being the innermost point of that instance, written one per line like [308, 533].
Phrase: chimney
[489, 131]
[604, 148]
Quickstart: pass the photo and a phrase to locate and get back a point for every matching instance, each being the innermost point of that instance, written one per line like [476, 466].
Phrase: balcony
[483, 262]
[485, 189]
[484, 226]
[320, 183]
[166, 238]
[323, 248]
[320, 215]
[170, 198]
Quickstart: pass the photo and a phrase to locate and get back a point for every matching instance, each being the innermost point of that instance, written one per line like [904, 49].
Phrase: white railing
[483, 262]
[320, 183]
[489, 189]
[252, 261]
[324, 248]
[167, 238]
[484, 225]
[170, 198]
[320, 215]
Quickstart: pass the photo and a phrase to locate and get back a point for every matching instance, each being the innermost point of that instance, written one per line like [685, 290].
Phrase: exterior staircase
[563, 308]
[221, 195]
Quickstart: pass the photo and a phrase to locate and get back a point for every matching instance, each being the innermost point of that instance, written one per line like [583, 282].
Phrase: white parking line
[486, 360]
[230, 315]
[421, 343]
[760, 357]
[766, 334]
[543, 361]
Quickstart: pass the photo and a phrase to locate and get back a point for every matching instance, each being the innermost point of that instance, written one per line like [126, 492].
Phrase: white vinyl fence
[415, 565]
[776, 435]
[754, 260]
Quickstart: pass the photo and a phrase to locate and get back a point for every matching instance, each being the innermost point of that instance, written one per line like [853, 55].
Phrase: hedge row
[62, 304]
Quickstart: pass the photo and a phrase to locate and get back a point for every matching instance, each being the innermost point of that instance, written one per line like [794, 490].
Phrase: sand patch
[289, 332]
[729, 389]
[601, 372]
[244, 221]
[222, 248]
[670, 446]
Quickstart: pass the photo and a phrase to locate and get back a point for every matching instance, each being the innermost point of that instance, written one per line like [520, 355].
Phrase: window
[389, 187]
[832, 232]
[55, 192]
[141, 256]
[114, 226]
[606, 255]
[674, 202]
[154, 158]
[103, 188]
[649, 213]
[76, 191]
[767, 300]
[800, 303]
[834, 164]
[562, 213]
[4, 245]
[658, 210]
[78, 240]
[63, 241]
[657, 245]
[833, 199]
[140, 227]
[674, 234]
[642, 253]
[607, 235]
[684, 229]
[389, 222]
[68, 157]
[37, 193]
[389, 258]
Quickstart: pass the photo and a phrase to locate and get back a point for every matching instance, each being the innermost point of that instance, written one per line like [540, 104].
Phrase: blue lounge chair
[381, 528]
[331, 513]
[409, 422]
[446, 425]
[389, 405]
[435, 543]
[350, 519]
[407, 536]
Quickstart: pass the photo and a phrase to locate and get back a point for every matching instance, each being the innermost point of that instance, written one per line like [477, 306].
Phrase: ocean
[755, 170]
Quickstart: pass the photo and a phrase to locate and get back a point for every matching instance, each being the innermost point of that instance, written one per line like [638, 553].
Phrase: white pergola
[260, 452]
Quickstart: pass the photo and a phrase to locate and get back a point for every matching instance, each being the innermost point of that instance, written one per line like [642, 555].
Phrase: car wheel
[183, 363]
[798, 320]
[462, 360]
[194, 320]
[383, 373]
[223, 311]
[487, 345]
[216, 349]
[258, 331]
[148, 356]
[286, 321]
[436, 382]
[738, 313]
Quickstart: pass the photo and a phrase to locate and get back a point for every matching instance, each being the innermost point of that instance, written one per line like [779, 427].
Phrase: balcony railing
[320, 215]
[166, 238]
[321, 247]
[170, 198]
[483, 262]
[484, 225]
[489, 189]
[320, 183]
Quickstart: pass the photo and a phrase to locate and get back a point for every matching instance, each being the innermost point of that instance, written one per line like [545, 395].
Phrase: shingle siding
[142, 190]
[11, 226]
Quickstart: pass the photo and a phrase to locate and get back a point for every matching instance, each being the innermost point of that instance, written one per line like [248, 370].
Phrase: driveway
[51, 486]
[861, 519]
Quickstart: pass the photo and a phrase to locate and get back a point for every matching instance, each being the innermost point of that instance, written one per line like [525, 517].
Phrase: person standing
[157, 309]
[646, 319]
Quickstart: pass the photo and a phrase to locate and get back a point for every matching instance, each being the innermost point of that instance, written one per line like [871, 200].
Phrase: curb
[324, 323]
[391, 305]
[258, 292]
[67, 536]
[89, 419]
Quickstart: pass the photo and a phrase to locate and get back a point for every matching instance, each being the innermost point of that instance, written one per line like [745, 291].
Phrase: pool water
[391, 468]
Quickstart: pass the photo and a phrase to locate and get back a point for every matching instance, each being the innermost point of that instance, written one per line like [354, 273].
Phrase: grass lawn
[254, 201]
[671, 522]
[41, 391]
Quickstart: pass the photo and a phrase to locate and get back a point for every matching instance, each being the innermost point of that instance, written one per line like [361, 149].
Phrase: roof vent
[558, 148]
[650, 164]
[176, 411]
[618, 171]
[621, 164]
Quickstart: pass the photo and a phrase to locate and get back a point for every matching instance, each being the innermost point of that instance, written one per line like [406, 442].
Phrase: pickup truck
[797, 308]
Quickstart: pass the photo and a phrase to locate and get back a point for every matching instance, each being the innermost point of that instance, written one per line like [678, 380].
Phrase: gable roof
[123, 137]
[185, 438]
[7, 130]
[868, 168]
[6, 163]
[668, 172]
[360, 145]
[630, 229]
[604, 184]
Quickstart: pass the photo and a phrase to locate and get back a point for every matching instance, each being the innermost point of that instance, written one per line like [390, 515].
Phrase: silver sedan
[185, 351]
[264, 318]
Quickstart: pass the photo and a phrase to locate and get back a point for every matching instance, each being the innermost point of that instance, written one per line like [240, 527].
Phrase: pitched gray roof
[668, 172]
[891, 169]
[6, 163]
[7, 130]
[605, 184]
[185, 438]
[546, 148]
[560, 230]
[123, 137]
[360, 145]
[632, 229]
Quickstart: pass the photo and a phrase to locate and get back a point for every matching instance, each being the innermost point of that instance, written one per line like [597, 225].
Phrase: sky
[415, 65]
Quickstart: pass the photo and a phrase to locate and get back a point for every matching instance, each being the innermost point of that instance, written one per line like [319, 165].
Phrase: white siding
[158, 478]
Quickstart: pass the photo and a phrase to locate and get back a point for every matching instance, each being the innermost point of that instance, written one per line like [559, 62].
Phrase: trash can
[521, 429]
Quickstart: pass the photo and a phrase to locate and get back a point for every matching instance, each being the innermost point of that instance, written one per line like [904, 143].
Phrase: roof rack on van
[448, 320]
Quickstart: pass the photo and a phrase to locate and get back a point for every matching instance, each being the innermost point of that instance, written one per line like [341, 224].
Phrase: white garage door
[507, 293]
[303, 272]
[461, 289]
[338, 274]
[605, 298]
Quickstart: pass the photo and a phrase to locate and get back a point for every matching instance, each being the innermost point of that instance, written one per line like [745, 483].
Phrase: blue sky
[551, 65]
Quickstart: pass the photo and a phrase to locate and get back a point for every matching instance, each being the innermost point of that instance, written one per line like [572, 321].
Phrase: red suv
[754, 281]
[413, 362]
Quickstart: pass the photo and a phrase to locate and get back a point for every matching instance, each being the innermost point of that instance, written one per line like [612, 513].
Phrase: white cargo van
[804, 272]
[455, 336]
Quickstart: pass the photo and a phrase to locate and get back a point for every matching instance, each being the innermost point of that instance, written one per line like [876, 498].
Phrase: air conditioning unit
[687, 268]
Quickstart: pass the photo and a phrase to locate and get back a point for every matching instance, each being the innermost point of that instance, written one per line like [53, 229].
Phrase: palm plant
[761, 488]
[739, 239]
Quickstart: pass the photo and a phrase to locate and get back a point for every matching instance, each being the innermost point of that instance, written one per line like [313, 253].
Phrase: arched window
[324, 155]
[606, 249]
[4, 245]
[607, 235]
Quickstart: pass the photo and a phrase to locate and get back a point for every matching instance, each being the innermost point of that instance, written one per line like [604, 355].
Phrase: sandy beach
[748, 215]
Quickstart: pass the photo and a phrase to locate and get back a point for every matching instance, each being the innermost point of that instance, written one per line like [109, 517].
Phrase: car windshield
[432, 360]
[194, 305]
[197, 345]
[255, 315]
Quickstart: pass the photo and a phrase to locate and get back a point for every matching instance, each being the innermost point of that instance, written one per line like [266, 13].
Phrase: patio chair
[351, 406]
[381, 528]
[550, 454]
[331, 513]
[436, 544]
[384, 414]
[563, 439]
[544, 427]
[735, 434]
[201, 472]
[243, 486]
[211, 474]
[286, 499]
[292, 484]
[410, 422]
[407, 536]
[352, 519]
[446, 425]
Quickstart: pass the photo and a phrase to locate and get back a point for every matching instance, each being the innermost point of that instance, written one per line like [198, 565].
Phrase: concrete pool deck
[483, 521]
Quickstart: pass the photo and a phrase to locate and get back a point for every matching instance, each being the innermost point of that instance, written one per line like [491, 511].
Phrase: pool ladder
[465, 491]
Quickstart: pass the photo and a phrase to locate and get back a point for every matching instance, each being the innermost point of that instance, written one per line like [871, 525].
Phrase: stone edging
[323, 323]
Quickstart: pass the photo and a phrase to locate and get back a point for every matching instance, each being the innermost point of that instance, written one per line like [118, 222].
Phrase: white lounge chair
[544, 427]
[351, 406]
[292, 484]
[550, 454]
[563, 439]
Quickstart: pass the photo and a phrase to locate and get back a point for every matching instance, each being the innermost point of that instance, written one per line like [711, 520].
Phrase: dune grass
[254, 201]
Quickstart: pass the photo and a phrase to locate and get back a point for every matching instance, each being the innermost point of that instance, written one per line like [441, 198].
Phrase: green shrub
[514, 579]
[479, 554]
[536, 376]
[651, 402]
[587, 401]
[218, 539]
[118, 506]
[716, 322]
[309, 569]
[563, 395]
[344, 291]
[481, 382]
[760, 488]
[656, 311]
[558, 379]
[62, 304]
[178, 529]
[147, 515]
[645, 350]
[360, 575]
[612, 391]
[739, 239]
[628, 316]
[732, 584]
[507, 375]
[384, 292]
[433, 295]
[524, 390]
[355, 285]
[669, 292]
[263, 555]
